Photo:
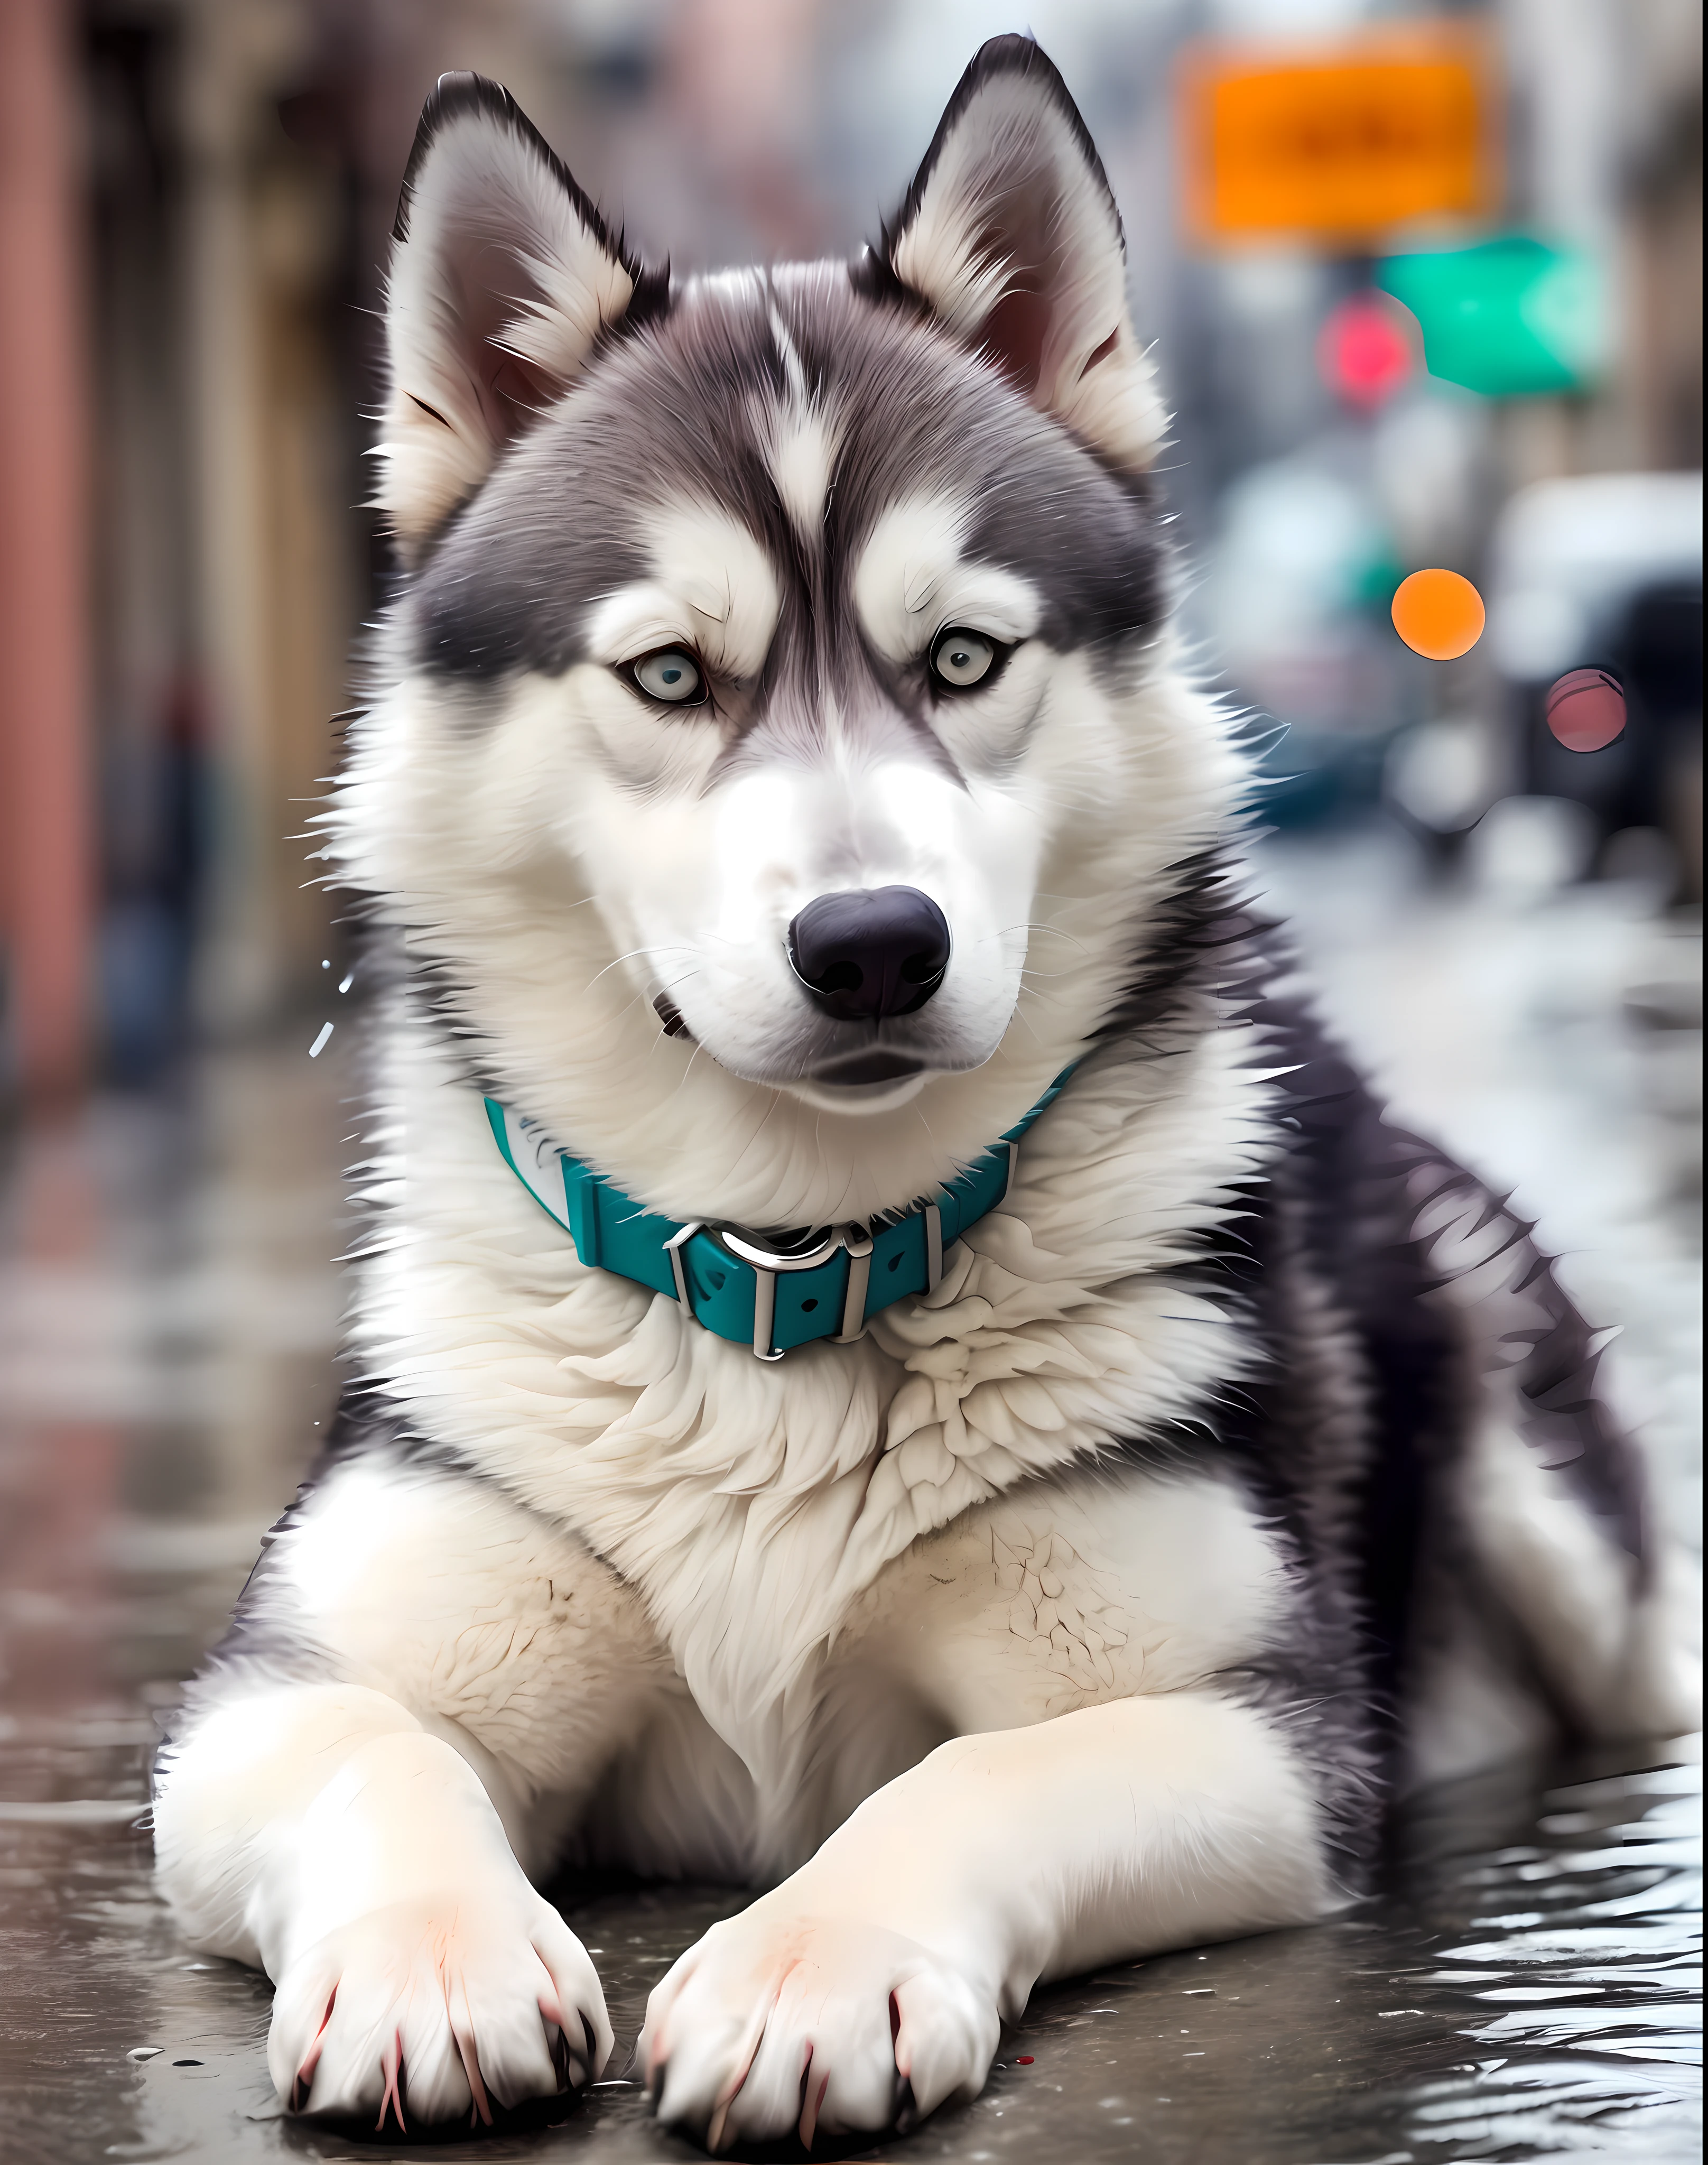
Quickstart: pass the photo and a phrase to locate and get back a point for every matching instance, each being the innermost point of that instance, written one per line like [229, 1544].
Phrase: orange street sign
[1339, 144]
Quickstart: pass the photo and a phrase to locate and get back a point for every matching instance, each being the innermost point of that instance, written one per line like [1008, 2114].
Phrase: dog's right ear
[503, 275]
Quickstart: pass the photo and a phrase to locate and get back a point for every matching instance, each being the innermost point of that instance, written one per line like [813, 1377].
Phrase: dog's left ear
[503, 276]
[1010, 233]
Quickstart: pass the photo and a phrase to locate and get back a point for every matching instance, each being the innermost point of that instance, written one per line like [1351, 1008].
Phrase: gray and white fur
[1246, 1466]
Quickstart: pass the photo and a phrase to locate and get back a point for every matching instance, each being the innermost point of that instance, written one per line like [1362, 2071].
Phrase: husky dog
[894, 1363]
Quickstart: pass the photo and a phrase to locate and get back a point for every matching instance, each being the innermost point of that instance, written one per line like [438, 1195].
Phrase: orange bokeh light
[1439, 614]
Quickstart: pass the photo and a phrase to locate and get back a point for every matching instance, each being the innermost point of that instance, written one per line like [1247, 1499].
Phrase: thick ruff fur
[1246, 1464]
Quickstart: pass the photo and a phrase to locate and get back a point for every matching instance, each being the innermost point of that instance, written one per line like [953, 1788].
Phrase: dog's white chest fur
[1093, 1587]
[753, 1506]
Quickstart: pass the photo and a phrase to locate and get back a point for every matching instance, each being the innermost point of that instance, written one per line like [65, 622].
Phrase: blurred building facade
[195, 201]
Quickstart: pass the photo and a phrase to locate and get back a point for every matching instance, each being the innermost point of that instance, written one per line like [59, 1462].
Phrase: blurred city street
[1489, 847]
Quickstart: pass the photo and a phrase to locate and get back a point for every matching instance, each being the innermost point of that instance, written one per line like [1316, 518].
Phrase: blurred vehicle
[1605, 570]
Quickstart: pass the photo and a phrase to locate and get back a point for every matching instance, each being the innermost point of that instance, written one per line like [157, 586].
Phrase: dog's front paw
[436, 2007]
[778, 2020]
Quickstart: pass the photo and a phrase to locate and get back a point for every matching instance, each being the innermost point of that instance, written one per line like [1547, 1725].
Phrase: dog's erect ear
[502, 276]
[1010, 233]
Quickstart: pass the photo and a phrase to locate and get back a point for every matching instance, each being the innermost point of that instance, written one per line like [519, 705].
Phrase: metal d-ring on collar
[766, 1261]
[775, 1291]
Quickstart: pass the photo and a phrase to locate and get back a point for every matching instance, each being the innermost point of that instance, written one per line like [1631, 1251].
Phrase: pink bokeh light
[1368, 348]
[1586, 709]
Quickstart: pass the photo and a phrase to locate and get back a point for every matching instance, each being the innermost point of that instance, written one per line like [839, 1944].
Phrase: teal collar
[773, 1291]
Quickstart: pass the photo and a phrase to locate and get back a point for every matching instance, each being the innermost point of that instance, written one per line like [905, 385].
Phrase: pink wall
[45, 802]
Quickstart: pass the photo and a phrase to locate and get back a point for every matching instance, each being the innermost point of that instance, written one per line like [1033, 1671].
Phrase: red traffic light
[1368, 348]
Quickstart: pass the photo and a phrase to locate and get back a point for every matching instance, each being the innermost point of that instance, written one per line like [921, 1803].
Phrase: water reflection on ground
[1525, 1986]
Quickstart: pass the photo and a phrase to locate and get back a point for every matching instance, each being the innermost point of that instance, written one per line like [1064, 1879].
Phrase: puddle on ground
[1527, 1984]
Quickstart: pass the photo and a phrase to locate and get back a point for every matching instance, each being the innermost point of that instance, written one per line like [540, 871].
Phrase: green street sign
[1512, 318]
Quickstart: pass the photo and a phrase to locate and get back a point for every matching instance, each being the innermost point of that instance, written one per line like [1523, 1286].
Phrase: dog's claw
[480, 2108]
[392, 2094]
[812, 2099]
[302, 2082]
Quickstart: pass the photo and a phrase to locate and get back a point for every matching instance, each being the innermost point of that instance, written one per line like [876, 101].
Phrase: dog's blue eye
[672, 674]
[961, 659]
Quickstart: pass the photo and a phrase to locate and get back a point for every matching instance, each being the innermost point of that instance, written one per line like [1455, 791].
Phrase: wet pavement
[1525, 1985]
[1528, 1986]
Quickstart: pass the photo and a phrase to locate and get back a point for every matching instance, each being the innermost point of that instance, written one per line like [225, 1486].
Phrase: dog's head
[778, 739]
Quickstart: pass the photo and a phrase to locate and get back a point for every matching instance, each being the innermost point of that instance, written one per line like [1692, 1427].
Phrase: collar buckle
[766, 1260]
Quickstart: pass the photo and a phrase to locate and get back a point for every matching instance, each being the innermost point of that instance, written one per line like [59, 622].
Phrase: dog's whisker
[633, 955]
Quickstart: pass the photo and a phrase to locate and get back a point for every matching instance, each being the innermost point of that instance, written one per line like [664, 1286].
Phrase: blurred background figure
[1425, 285]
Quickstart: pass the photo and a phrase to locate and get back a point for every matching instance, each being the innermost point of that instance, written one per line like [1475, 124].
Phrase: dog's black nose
[875, 952]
